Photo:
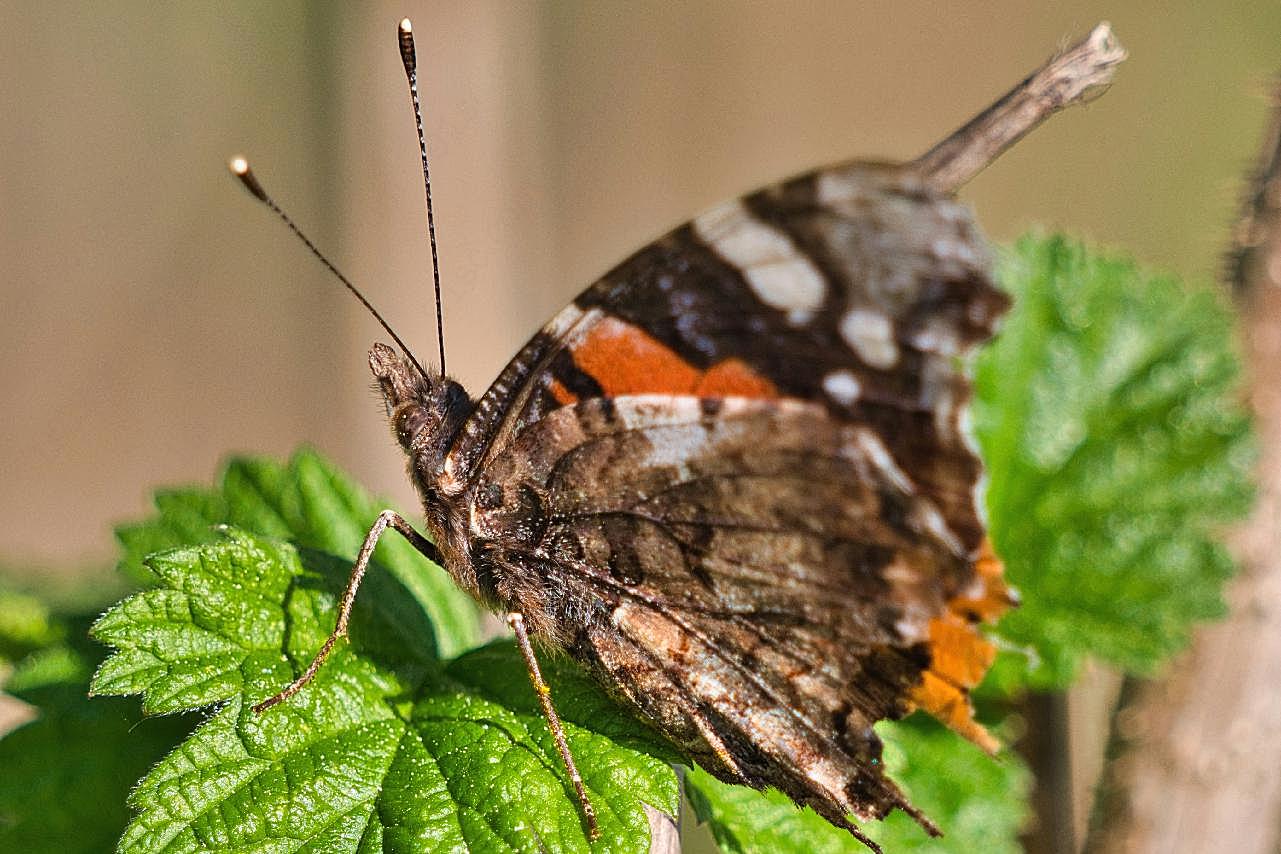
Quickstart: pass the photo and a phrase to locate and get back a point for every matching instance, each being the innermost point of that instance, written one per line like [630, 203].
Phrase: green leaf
[312, 504]
[1108, 415]
[979, 803]
[68, 771]
[387, 749]
[26, 624]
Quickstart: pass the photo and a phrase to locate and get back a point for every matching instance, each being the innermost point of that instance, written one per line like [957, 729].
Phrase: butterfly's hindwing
[770, 554]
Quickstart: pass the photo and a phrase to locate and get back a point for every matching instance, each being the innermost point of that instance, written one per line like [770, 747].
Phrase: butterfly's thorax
[465, 519]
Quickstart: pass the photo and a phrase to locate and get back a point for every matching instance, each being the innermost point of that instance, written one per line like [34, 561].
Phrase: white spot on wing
[879, 455]
[871, 335]
[794, 286]
[842, 387]
[572, 324]
[827, 776]
[927, 517]
[675, 446]
[563, 321]
[642, 411]
[845, 189]
[778, 273]
[939, 335]
[944, 409]
[834, 187]
[951, 249]
[965, 428]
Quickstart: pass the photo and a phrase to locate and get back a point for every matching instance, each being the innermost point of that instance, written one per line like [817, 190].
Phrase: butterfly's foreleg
[544, 692]
[386, 519]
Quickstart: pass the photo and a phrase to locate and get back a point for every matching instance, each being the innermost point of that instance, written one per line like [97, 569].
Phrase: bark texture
[1198, 753]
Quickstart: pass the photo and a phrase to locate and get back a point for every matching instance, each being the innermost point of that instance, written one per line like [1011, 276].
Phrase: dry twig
[1079, 74]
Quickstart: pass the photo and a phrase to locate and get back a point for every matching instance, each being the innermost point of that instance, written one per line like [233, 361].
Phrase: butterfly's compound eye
[407, 421]
[405, 392]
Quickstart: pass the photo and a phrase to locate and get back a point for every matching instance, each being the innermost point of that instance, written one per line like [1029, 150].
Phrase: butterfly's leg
[517, 622]
[387, 518]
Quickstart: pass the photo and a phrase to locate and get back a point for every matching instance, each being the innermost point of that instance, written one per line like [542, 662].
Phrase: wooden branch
[1255, 237]
[1079, 74]
[1198, 753]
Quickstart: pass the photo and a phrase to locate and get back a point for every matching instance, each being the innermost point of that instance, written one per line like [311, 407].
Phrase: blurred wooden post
[1200, 760]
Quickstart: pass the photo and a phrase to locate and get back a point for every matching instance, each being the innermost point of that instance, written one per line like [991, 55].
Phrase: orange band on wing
[952, 707]
[624, 359]
[959, 655]
[990, 596]
[563, 395]
[733, 378]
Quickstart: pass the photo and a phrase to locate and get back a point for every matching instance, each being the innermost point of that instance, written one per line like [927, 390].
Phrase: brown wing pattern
[732, 478]
[855, 287]
[755, 575]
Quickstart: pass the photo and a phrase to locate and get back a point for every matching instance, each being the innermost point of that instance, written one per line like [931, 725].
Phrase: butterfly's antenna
[240, 168]
[408, 57]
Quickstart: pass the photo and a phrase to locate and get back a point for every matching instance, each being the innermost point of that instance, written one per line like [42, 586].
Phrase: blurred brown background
[156, 319]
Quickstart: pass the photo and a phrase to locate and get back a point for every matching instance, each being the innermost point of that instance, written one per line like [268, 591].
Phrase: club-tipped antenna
[405, 34]
[240, 168]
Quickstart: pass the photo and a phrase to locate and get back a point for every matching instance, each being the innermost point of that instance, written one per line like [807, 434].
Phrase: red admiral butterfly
[733, 478]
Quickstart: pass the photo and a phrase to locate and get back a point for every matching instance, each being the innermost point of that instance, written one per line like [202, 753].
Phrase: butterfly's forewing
[732, 478]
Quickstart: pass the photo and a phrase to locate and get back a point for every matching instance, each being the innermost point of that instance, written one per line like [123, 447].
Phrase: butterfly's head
[425, 409]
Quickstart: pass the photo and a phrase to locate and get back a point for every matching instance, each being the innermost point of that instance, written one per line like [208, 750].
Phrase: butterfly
[733, 479]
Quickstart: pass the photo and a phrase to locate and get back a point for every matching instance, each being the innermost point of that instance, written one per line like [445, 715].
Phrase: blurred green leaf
[1117, 448]
[68, 771]
[26, 624]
